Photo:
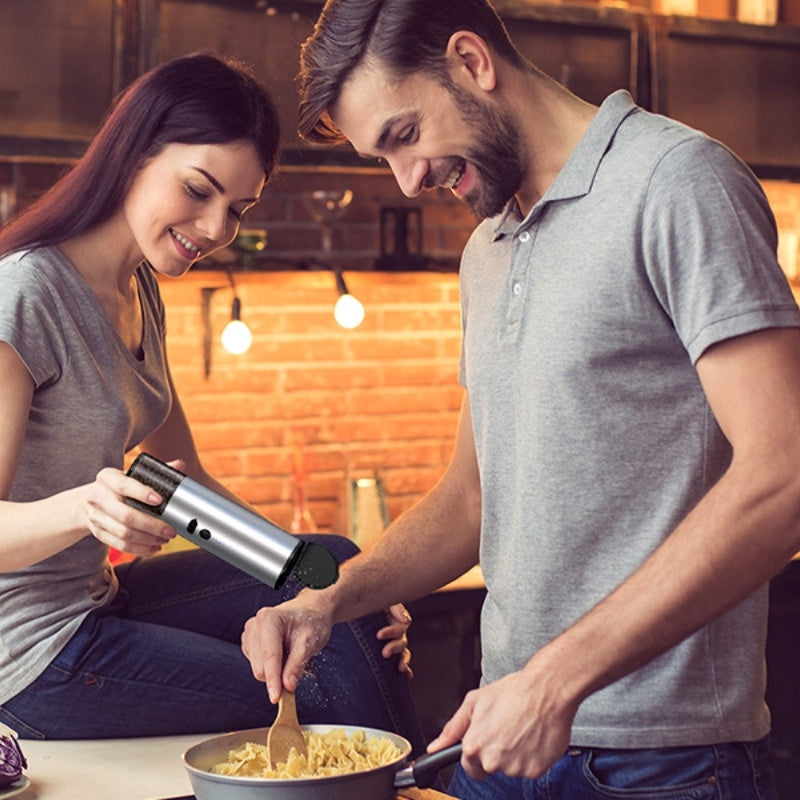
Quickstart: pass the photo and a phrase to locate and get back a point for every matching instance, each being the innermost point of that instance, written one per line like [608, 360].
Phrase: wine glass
[325, 207]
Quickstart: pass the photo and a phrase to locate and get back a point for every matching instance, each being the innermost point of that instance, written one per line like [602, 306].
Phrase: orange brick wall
[293, 235]
[784, 199]
[380, 399]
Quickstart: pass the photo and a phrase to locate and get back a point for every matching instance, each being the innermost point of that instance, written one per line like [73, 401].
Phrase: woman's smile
[185, 246]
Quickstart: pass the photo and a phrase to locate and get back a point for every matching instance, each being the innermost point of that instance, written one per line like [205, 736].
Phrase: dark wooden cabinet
[56, 68]
[269, 43]
[445, 650]
[592, 50]
[60, 66]
[738, 83]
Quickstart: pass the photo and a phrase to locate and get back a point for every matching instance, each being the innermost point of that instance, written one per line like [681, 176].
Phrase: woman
[150, 647]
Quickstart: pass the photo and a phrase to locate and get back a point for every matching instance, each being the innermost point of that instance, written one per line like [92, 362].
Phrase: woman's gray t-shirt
[93, 401]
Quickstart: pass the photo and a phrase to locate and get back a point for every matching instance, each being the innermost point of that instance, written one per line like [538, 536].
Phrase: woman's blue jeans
[165, 659]
[731, 771]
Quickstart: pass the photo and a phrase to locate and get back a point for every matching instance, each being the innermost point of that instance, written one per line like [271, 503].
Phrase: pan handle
[423, 771]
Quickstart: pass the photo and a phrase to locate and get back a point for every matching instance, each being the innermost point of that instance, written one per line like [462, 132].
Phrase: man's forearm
[428, 546]
[735, 540]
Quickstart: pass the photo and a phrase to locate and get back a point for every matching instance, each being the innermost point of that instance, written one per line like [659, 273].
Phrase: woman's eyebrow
[211, 179]
[220, 188]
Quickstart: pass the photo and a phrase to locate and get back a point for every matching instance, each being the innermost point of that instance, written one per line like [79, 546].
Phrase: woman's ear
[469, 54]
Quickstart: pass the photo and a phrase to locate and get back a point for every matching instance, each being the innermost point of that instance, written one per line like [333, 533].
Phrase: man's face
[432, 136]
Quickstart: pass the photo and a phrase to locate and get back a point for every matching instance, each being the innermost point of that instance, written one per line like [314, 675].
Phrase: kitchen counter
[121, 769]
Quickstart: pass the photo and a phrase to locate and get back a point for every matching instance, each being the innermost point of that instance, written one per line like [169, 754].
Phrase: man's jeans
[165, 658]
[736, 771]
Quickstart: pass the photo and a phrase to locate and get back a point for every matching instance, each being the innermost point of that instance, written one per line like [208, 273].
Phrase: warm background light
[348, 311]
[236, 337]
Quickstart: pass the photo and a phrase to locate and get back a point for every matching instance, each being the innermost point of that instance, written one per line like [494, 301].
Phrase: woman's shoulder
[32, 266]
[35, 288]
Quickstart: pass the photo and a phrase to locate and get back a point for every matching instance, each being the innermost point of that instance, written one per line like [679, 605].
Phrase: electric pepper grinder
[241, 537]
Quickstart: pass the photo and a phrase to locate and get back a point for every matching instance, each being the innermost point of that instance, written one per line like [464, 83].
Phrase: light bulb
[236, 337]
[348, 311]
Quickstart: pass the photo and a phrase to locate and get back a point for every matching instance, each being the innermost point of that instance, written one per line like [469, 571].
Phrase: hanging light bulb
[236, 336]
[348, 311]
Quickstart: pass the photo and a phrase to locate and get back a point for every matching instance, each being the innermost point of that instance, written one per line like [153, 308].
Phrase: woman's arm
[36, 530]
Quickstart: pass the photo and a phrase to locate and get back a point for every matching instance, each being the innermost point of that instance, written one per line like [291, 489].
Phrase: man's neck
[552, 122]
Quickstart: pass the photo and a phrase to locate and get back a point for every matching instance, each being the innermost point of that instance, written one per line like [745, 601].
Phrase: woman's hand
[115, 523]
[396, 635]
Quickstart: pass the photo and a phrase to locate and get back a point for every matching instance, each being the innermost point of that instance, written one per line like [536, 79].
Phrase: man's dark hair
[405, 36]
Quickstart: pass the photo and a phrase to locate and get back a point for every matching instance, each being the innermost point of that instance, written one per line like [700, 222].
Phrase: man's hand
[512, 726]
[279, 641]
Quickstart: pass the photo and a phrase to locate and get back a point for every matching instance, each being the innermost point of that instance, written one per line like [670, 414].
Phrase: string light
[348, 311]
[236, 336]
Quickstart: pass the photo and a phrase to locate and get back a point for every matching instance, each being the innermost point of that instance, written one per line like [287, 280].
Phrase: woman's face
[188, 201]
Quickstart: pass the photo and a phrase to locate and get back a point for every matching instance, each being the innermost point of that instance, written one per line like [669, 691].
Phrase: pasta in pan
[331, 753]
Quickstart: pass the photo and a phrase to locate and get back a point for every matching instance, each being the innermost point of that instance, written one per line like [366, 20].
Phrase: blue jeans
[733, 771]
[164, 658]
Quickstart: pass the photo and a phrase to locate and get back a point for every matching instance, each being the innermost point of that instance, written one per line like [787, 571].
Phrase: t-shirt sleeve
[710, 244]
[29, 321]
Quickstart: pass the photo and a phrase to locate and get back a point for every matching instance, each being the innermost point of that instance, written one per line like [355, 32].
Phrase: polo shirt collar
[577, 175]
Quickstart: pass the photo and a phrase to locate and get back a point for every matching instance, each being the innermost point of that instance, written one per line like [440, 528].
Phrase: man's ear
[469, 55]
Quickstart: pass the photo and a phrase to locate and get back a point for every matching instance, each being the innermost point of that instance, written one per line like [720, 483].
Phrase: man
[627, 465]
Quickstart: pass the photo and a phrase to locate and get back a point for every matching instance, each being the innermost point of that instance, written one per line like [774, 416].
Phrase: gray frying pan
[379, 783]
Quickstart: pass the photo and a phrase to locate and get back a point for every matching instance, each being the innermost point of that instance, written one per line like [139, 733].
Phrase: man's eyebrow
[386, 129]
[220, 188]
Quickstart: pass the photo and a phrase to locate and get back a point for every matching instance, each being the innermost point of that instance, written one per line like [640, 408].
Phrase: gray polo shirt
[582, 324]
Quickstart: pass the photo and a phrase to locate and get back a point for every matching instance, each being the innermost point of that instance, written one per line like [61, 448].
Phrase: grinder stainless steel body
[241, 537]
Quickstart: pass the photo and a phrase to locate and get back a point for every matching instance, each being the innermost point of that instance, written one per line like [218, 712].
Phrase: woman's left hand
[395, 633]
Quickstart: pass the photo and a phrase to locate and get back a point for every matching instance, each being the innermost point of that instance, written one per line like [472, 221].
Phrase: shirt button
[516, 288]
[524, 236]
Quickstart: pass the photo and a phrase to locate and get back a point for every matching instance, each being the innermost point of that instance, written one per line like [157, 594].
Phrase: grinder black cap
[316, 568]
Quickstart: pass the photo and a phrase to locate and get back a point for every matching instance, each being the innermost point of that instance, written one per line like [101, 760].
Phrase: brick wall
[294, 235]
[784, 198]
[381, 399]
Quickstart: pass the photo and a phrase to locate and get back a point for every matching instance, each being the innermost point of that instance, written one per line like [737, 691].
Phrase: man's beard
[495, 154]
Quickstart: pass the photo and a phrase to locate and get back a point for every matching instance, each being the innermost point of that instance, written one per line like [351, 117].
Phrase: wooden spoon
[285, 732]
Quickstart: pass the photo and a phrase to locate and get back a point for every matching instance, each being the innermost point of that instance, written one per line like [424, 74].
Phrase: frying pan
[379, 783]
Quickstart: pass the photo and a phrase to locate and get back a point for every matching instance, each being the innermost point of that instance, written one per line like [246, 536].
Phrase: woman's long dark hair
[195, 99]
